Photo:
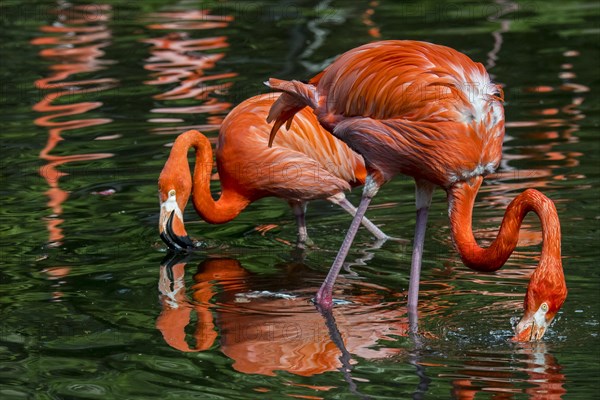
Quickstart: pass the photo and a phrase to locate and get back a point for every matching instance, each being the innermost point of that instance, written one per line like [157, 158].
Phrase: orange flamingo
[305, 163]
[429, 112]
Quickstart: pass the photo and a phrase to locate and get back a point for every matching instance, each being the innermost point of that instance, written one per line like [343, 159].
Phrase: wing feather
[305, 162]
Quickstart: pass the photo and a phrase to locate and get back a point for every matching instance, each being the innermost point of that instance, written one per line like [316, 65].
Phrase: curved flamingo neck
[229, 204]
[461, 198]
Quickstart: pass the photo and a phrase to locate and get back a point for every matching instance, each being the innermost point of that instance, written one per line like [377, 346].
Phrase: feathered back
[426, 82]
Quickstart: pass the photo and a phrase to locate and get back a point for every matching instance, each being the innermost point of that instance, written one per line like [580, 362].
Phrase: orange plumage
[429, 112]
[305, 163]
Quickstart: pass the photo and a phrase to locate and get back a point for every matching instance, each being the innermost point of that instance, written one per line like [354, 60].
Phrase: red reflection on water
[190, 19]
[545, 373]
[367, 20]
[552, 126]
[184, 61]
[77, 38]
[263, 333]
[490, 373]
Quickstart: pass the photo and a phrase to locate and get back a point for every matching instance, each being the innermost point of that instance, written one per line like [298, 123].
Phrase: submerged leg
[424, 193]
[299, 208]
[343, 202]
[324, 295]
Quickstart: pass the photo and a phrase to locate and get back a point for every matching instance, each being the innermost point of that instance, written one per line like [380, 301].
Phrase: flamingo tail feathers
[296, 95]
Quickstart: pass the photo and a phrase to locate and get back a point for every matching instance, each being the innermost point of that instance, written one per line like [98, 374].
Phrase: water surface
[92, 305]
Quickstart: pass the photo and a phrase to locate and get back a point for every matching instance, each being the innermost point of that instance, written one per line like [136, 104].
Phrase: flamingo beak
[172, 240]
[171, 227]
[532, 327]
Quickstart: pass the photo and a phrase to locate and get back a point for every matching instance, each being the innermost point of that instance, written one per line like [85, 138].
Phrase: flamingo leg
[343, 202]
[324, 296]
[299, 209]
[424, 193]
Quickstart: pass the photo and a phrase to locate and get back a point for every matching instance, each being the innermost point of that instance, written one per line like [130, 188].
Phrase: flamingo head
[546, 294]
[170, 223]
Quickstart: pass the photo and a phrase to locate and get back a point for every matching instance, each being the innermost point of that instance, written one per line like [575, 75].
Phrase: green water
[93, 307]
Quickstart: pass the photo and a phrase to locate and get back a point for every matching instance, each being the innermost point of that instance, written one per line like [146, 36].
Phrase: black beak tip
[174, 241]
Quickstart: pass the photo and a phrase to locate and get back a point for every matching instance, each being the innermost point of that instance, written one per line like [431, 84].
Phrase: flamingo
[305, 163]
[429, 112]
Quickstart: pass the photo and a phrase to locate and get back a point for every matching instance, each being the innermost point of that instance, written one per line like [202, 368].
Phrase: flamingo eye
[544, 307]
[171, 192]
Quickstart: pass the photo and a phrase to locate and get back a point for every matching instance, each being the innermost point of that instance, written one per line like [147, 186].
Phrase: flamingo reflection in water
[493, 374]
[265, 331]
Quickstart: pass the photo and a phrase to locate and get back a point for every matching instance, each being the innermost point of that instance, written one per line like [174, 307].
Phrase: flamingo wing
[305, 162]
